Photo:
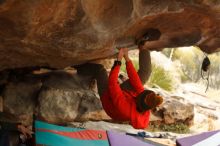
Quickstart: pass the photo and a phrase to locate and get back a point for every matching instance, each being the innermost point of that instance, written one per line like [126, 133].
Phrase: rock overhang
[64, 33]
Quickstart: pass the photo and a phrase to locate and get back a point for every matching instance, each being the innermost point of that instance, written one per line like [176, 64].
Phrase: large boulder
[20, 99]
[57, 97]
[65, 98]
[175, 109]
[63, 33]
[63, 106]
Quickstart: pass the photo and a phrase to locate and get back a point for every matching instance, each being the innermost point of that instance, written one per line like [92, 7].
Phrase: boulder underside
[58, 34]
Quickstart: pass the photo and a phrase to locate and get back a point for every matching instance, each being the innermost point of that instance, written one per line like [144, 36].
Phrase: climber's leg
[96, 71]
[144, 65]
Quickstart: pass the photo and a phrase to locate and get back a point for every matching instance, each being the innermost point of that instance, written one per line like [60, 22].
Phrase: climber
[128, 101]
[10, 132]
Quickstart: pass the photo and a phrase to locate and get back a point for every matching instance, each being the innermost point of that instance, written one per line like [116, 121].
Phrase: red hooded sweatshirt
[120, 104]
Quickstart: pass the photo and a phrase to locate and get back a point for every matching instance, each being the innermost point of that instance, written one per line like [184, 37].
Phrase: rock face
[63, 33]
[56, 97]
[66, 98]
[20, 99]
[176, 111]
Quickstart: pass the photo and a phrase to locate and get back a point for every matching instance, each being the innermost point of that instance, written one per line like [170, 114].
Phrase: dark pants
[95, 71]
[98, 72]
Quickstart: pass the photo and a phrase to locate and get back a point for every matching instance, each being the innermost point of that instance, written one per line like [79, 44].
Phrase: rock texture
[57, 97]
[65, 98]
[20, 99]
[63, 33]
[175, 111]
